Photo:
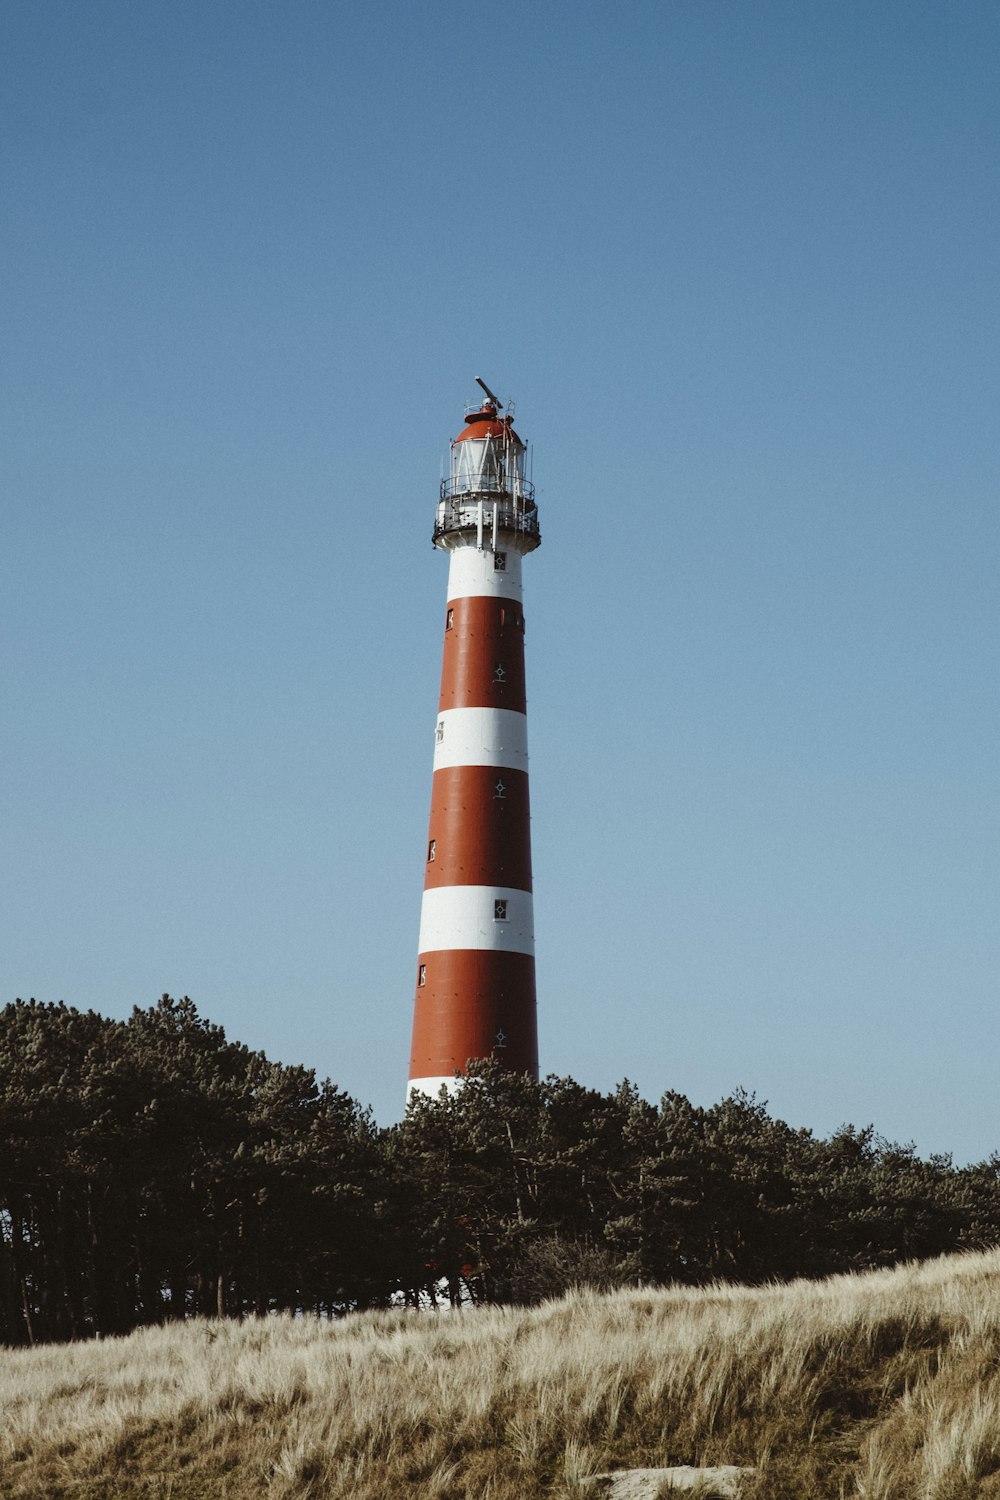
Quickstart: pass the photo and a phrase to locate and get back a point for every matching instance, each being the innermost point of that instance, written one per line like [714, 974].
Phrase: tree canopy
[151, 1169]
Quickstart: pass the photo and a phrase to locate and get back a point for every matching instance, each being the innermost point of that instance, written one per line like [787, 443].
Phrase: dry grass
[884, 1386]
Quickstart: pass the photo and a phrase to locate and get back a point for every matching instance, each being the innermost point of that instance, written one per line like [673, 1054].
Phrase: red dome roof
[485, 423]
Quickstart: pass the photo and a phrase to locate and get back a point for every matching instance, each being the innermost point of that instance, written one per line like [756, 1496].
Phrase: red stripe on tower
[475, 990]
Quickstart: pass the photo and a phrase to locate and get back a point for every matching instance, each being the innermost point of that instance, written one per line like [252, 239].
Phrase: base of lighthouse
[475, 1003]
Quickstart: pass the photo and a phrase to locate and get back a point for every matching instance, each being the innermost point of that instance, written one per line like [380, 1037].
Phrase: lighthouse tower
[475, 990]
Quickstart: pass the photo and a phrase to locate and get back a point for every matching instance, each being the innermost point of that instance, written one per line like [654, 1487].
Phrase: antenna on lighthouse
[495, 399]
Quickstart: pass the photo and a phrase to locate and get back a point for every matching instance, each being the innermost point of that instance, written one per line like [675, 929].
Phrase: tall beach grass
[884, 1386]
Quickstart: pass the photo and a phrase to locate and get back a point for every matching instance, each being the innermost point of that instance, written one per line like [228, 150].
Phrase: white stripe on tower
[471, 574]
[466, 916]
[481, 737]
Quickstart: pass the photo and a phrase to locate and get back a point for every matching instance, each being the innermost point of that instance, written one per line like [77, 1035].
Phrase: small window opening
[422, 974]
[431, 850]
[499, 672]
[439, 731]
[500, 1040]
[499, 790]
[449, 619]
[500, 562]
[500, 911]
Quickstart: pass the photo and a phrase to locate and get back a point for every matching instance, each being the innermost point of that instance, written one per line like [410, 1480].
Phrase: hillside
[884, 1385]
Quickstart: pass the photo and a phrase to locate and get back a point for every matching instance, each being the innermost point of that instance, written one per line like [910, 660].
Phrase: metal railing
[492, 486]
[475, 508]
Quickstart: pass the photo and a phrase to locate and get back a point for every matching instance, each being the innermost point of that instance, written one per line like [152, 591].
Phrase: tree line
[152, 1169]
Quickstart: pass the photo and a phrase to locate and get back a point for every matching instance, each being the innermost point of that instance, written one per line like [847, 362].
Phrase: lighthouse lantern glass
[489, 464]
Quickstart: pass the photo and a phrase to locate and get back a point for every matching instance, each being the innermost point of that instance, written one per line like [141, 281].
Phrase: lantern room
[486, 491]
[488, 457]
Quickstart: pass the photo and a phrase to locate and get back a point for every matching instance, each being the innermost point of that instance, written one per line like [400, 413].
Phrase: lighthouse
[475, 979]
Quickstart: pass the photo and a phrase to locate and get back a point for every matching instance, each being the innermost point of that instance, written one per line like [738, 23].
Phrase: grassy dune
[884, 1386]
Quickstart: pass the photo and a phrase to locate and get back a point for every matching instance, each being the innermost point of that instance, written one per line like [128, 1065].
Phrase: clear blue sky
[737, 262]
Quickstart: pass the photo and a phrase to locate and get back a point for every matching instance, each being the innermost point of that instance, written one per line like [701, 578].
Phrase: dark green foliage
[151, 1169]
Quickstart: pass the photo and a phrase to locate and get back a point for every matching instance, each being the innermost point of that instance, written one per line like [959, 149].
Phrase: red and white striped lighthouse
[475, 992]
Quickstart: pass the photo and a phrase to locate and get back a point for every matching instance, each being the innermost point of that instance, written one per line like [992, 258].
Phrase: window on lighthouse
[431, 850]
[477, 464]
[422, 974]
[499, 672]
[500, 562]
[500, 911]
